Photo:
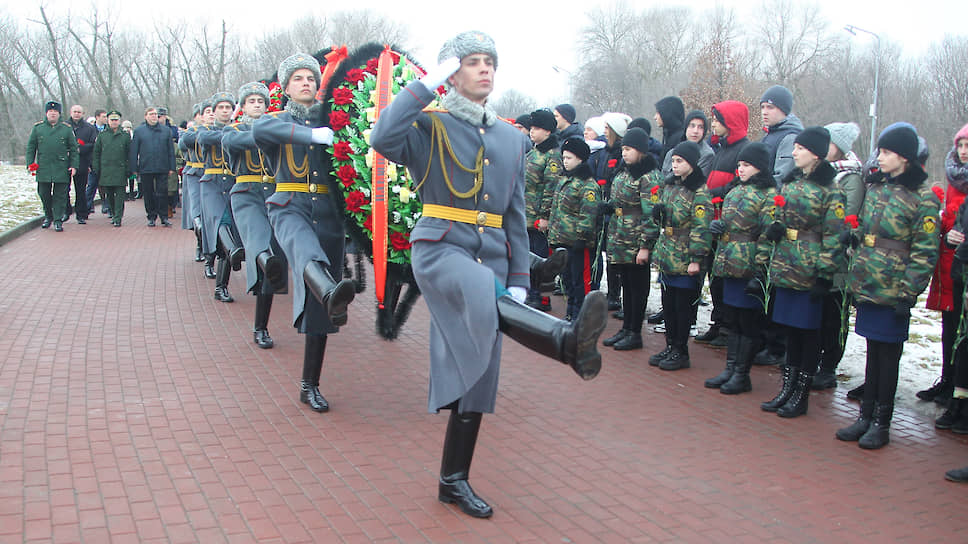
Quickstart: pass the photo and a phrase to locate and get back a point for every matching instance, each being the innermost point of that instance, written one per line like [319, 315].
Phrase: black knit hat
[578, 147]
[524, 121]
[902, 141]
[697, 114]
[642, 123]
[636, 138]
[817, 141]
[689, 151]
[544, 119]
[567, 111]
[756, 154]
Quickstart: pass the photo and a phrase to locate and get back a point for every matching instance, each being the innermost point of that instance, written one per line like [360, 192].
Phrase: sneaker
[151, 222]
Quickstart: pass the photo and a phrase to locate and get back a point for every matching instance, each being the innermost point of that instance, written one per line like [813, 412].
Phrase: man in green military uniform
[541, 176]
[53, 149]
[110, 162]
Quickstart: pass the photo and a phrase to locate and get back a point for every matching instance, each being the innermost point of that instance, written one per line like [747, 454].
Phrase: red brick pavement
[133, 407]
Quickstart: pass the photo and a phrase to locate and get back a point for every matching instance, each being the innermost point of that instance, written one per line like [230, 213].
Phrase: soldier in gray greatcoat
[265, 264]
[194, 170]
[470, 249]
[214, 185]
[305, 216]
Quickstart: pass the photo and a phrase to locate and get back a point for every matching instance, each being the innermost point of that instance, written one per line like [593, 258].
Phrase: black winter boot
[232, 246]
[197, 228]
[960, 426]
[573, 343]
[732, 347]
[210, 266]
[632, 340]
[614, 287]
[455, 465]
[878, 434]
[786, 389]
[657, 359]
[856, 393]
[334, 296]
[711, 334]
[544, 270]
[222, 281]
[260, 332]
[950, 415]
[611, 340]
[678, 359]
[740, 382]
[273, 270]
[799, 400]
[959, 475]
[312, 368]
[857, 429]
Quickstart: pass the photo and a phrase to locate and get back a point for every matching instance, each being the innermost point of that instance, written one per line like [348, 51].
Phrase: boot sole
[589, 326]
[339, 300]
[448, 500]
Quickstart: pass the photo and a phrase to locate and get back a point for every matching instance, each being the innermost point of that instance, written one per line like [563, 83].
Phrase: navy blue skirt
[878, 323]
[794, 308]
[734, 294]
[682, 282]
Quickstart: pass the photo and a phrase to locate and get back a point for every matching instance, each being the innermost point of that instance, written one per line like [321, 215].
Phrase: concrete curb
[12, 234]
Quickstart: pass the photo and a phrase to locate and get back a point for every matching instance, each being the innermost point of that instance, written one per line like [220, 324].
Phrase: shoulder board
[235, 126]
[274, 114]
[38, 123]
[435, 110]
[66, 125]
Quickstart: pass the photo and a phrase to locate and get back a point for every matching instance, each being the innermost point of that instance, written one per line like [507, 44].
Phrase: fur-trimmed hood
[823, 175]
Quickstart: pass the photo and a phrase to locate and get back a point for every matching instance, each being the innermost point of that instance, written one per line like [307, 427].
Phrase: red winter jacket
[736, 116]
[940, 291]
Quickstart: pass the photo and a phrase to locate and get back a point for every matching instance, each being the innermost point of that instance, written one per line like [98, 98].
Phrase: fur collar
[548, 145]
[465, 110]
[302, 113]
[762, 180]
[582, 172]
[823, 175]
[643, 167]
[246, 120]
[693, 181]
[911, 179]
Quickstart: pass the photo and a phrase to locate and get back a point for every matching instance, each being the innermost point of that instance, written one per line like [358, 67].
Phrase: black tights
[635, 286]
[803, 349]
[677, 308]
[880, 381]
[746, 321]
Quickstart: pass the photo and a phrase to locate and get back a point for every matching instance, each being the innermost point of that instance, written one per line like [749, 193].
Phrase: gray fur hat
[222, 96]
[207, 103]
[294, 62]
[254, 87]
[196, 109]
[467, 43]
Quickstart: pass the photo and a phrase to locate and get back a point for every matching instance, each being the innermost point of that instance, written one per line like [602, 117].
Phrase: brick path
[134, 408]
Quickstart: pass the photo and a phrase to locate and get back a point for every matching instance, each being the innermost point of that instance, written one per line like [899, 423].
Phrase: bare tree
[513, 103]
[793, 35]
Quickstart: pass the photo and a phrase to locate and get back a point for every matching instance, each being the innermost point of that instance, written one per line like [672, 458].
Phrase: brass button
[265, 178]
[479, 259]
[315, 173]
[314, 198]
[307, 121]
[312, 188]
[265, 187]
[310, 147]
[487, 162]
[480, 229]
[481, 218]
[482, 131]
[314, 221]
[487, 196]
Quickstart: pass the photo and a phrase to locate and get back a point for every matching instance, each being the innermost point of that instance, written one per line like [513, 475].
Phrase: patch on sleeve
[700, 211]
[553, 166]
[772, 212]
[839, 210]
[591, 197]
[930, 224]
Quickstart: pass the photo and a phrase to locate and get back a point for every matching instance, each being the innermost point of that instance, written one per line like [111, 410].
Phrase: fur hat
[843, 135]
[222, 96]
[204, 104]
[567, 111]
[543, 119]
[578, 147]
[901, 140]
[689, 151]
[255, 87]
[53, 105]
[161, 110]
[468, 43]
[597, 124]
[758, 155]
[642, 123]
[524, 121]
[295, 62]
[636, 138]
[619, 122]
[196, 109]
[779, 96]
[817, 141]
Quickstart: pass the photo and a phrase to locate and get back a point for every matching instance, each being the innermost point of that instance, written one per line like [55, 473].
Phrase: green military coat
[110, 159]
[683, 236]
[574, 210]
[54, 149]
[747, 210]
[541, 175]
[634, 190]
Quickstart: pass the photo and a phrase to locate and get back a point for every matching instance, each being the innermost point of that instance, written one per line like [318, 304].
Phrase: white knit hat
[843, 135]
[597, 124]
[618, 121]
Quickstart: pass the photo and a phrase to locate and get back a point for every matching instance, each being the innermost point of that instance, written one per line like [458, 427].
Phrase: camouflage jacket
[634, 191]
[541, 176]
[683, 236]
[574, 211]
[899, 240]
[813, 216]
[747, 210]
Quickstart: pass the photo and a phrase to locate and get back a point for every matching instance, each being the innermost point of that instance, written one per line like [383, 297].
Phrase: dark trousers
[53, 197]
[833, 334]
[80, 207]
[678, 309]
[114, 196]
[539, 246]
[577, 277]
[803, 349]
[635, 283]
[880, 376]
[154, 189]
[93, 181]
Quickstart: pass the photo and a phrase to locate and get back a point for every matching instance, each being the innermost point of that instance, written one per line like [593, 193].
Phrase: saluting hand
[438, 75]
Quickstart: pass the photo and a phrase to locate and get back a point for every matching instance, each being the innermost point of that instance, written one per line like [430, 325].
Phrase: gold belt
[219, 171]
[317, 188]
[195, 164]
[253, 178]
[473, 217]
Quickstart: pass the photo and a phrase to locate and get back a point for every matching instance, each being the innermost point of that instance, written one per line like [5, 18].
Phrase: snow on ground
[18, 197]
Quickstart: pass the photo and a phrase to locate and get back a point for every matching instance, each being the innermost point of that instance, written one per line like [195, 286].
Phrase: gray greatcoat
[249, 202]
[457, 265]
[214, 187]
[191, 206]
[308, 226]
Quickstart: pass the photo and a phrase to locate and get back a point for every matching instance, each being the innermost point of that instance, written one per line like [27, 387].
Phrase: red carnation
[779, 200]
[338, 120]
[342, 96]
[273, 86]
[399, 241]
[372, 66]
[718, 200]
[80, 141]
[342, 150]
[602, 182]
[346, 174]
[368, 223]
[441, 90]
[33, 167]
[355, 76]
[354, 200]
[612, 163]
[939, 192]
[852, 221]
[655, 189]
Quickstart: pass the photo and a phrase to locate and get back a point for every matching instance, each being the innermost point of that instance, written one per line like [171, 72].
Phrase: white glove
[323, 135]
[518, 293]
[436, 77]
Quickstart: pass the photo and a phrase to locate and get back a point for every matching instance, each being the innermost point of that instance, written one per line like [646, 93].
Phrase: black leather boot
[732, 347]
[197, 227]
[334, 296]
[573, 343]
[786, 389]
[232, 246]
[210, 266]
[222, 281]
[856, 393]
[678, 359]
[544, 270]
[879, 433]
[455, 465]
[857, 429]
[632, 340]
[740, 382]
[273, 270]
[260, 332]
[614, 287]
[799, 400]
[312, 368]
[611, 340]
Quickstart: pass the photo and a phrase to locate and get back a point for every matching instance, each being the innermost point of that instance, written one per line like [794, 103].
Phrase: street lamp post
[877, 66]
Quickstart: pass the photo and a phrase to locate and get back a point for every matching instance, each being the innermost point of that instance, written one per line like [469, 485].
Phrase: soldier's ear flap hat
[222, 96]
[53, 105]
[817, 141]
[689, 151]
[205, 104]
[756, 154]
[254, 87]
[296, 62]
[901, 140]
[544, 119]
[578, 147]
[468, 43]
[196, 109]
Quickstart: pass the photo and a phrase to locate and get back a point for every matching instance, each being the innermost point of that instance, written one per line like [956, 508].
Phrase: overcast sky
[531, 37]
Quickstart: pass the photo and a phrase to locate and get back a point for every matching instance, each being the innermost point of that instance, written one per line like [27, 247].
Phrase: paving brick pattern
[135, 408]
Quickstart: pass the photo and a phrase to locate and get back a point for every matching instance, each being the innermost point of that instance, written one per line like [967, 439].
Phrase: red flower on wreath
[852, 221]
[355, 76]
[274, 85]
[373, 65]
[779, 200]
[354, 200]
[368, 224]
[346, 174]
[399, 241]
[612, 163]
[342, 150]
[342, 96]
[338, 120]
[717, 200]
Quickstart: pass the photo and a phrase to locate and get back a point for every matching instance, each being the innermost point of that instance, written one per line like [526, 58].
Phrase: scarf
[460, 107]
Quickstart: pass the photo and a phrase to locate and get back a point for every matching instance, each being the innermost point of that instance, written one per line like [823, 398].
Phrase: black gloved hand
[821, 287]
[717, 226]
[775, 231]
[847, 238]
[756, 286]
[579, 245]
[903, 309]
[658, 212]
[606, 208]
